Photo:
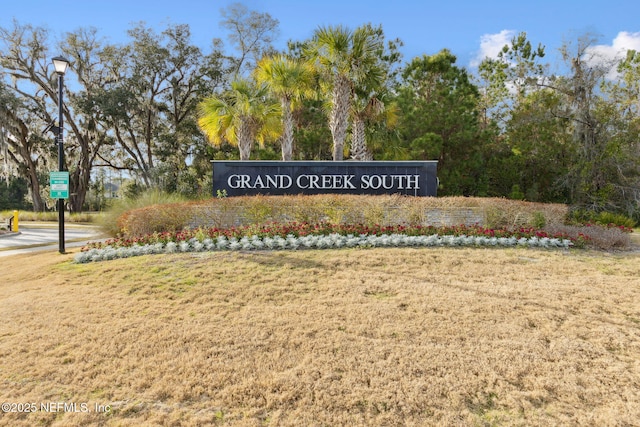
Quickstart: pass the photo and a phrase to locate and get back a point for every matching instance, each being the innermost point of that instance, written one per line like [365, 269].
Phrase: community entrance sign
[239, 178]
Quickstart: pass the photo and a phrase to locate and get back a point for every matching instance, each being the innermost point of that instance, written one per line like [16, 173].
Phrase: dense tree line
[158, 109]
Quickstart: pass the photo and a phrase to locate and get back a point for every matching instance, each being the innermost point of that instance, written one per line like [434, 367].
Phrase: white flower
[352, 241]
[292, 242]
[307, 241]
[279, 242]
[333, 240]
[222, 243]
[257, 243]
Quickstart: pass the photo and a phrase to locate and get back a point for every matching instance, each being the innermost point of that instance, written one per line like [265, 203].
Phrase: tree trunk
[25, 157]
[338, 120]
[245, 139]
[359, 150]
[79, 184]
[287, 135]
[80, 176]
[34, 186]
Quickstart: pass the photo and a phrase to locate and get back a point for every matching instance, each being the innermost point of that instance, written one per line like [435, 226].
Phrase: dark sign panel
[239, 178]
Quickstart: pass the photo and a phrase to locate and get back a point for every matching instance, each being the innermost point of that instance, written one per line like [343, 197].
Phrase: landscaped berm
[355, 337]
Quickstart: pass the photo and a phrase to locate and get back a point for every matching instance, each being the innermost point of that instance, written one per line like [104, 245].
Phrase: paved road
[44, 237]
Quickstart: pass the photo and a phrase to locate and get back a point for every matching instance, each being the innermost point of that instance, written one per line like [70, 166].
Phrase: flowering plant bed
[319, 236]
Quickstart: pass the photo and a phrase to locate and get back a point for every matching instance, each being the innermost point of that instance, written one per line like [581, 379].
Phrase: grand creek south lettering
[324, 182]
[274, 177]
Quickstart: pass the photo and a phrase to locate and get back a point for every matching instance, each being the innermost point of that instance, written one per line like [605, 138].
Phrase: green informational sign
[59, 185]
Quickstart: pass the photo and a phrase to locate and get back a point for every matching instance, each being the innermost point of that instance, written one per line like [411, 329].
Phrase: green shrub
[608, 218]
[539, 220]
[576, 217]
[584, 216]
[516, 193]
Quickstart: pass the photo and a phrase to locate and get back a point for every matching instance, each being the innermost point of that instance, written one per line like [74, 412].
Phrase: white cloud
[604, 54]
[491, 45]
[611, 54]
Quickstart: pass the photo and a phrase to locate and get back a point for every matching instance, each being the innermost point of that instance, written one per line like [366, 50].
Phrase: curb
[10, 234]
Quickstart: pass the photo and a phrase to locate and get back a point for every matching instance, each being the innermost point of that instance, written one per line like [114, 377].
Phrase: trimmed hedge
[340, 209]
[169, 217]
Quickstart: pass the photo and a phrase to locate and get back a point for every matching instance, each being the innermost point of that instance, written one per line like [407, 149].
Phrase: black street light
[60, 65]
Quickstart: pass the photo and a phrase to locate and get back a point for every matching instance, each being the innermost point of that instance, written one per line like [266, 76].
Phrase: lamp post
[60, 65]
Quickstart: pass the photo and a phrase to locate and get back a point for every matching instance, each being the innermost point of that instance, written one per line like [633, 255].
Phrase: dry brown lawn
[384, 337]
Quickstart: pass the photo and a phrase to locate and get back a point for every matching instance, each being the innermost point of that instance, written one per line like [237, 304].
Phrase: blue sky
[470, 29]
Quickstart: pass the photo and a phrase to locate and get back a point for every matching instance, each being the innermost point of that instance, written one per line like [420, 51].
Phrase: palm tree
[289, 80]
[368, 106]
[363, 109]
[345, 57]
[240, 117]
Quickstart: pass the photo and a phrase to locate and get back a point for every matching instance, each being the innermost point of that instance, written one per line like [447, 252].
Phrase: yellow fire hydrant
[15, 226]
